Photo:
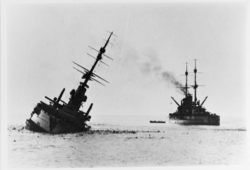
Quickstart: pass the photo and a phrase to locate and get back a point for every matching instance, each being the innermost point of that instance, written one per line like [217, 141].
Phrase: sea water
[134, 143]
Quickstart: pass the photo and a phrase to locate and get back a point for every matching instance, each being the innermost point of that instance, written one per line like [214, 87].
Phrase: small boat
[157, 121]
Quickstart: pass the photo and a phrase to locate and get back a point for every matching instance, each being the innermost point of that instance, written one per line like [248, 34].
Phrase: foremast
[78, 96]
[186, 74]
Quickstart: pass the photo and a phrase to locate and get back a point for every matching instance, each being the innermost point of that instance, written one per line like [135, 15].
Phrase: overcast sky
[153, 39]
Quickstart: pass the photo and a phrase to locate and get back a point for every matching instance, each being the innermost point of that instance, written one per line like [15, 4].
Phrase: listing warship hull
[191, 112]
[61, 117]
[45, 118]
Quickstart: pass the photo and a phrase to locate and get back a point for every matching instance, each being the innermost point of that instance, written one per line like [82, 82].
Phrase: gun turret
[175, 101]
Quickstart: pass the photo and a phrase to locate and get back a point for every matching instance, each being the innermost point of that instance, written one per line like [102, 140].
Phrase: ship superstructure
[192, 112]
[61, 117]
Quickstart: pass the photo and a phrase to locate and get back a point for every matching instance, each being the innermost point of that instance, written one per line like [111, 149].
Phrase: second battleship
[191, 112]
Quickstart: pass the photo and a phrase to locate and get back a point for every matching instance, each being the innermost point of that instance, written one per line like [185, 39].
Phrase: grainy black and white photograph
[124, 84]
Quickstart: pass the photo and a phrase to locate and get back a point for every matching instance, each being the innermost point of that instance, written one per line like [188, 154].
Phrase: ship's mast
[195, 83]
[186, 87]
[98, 58]
[79, 96]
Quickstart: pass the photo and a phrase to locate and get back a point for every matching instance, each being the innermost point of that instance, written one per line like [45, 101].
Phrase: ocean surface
[129, 144]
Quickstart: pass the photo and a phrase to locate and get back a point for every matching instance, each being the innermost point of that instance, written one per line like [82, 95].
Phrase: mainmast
[195, 83]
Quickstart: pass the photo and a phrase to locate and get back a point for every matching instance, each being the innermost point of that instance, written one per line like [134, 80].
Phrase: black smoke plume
[149, 65]
[169, 77]
[154, 67]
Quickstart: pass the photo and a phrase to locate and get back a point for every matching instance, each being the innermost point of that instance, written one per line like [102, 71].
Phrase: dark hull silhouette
[61, 117]
[45, 118]
[194, 120]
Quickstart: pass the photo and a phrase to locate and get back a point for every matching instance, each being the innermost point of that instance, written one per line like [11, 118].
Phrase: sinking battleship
[61, 117]
[191, 112]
